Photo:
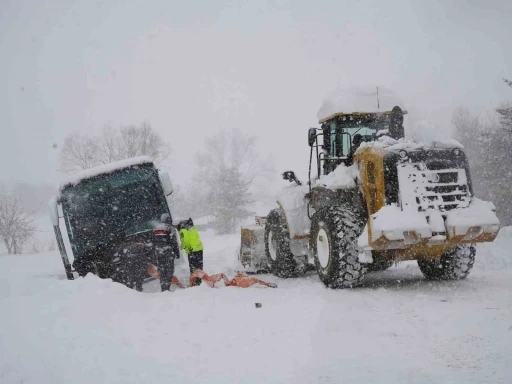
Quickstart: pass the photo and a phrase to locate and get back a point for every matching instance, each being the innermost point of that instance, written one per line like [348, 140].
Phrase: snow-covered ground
[396, 328]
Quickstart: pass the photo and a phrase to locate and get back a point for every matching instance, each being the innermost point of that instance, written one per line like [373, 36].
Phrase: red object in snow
[153, 271]
[240, 280]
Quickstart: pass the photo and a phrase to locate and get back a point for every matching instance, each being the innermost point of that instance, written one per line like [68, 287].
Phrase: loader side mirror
[165, 180]
[311, 136]
[53, 210]
[396, 124]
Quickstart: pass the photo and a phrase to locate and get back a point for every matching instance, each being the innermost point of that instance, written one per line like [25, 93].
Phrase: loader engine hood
[424, 179]
[429, 200]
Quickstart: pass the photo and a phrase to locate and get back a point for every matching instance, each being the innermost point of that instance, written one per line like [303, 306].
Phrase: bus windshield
[109, 205]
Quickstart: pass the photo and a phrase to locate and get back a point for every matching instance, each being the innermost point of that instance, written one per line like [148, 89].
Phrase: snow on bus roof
[344, 101]
[105, 168]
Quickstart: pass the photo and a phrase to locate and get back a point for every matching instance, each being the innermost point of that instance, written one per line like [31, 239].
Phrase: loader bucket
[252, 248]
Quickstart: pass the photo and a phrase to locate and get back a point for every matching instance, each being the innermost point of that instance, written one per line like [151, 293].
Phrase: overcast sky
[191, 67]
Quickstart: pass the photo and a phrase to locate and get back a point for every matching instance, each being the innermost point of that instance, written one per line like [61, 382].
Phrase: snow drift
[342, 177]
[106, 168]
[349, 100]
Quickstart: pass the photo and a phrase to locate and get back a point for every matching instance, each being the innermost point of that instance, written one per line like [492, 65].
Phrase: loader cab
[339, 132]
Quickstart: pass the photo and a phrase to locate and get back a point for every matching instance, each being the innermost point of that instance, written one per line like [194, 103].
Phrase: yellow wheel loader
[368, 207]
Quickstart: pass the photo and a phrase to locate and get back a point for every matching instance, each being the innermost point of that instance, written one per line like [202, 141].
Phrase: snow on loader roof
[105, 168]
[358, 101]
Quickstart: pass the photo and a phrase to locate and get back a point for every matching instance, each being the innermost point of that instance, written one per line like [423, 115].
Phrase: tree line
[488, 141]
[229, 168]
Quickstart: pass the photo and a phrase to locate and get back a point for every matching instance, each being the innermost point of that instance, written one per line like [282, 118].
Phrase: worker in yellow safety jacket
[192, 244]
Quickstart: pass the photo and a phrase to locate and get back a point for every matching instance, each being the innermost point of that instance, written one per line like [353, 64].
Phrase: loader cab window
[335, 144]
[339, 135]
[364, 125]
[348, 139]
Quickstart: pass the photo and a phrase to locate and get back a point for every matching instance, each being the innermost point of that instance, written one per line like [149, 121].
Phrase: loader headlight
[456, 151]
[473, 232]
[402, 154]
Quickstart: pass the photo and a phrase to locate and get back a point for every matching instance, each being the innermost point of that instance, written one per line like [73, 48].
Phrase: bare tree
[38, 246]
[487, 145]
[188, 202]
[232, 149]
[81, 152]
[142, 140]
[17, 225]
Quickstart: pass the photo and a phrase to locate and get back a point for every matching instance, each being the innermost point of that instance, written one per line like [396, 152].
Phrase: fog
[190, 68]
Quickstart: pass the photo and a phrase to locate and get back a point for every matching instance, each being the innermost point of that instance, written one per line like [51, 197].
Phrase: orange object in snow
[153, 271]
[218, 280]
[240, 280]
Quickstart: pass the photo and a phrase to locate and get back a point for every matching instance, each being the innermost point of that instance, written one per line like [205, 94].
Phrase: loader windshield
[106, 206]
[340, 131]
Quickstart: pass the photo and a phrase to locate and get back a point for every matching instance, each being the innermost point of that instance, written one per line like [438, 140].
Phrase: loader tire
[334, 235]
[455, 264]
[280, 259]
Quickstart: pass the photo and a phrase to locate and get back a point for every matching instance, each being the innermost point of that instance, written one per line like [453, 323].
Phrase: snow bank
[292, 200]
[95, 331]
[106, 168]
[496, 256]
[351, 100]
[391, 221]
[342, 177]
